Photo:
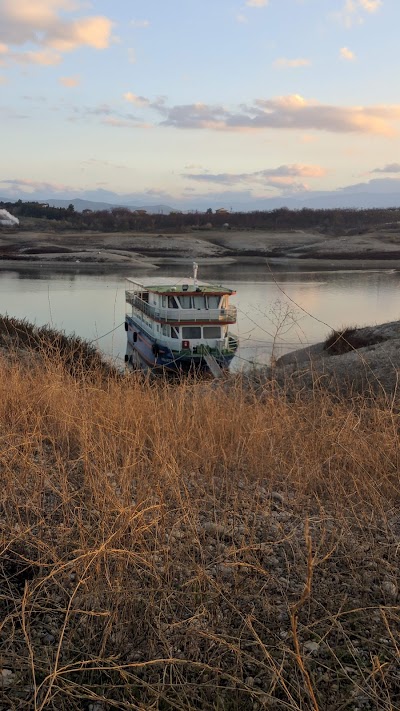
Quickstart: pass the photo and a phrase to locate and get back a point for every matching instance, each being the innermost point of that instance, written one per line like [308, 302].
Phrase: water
[277, 312]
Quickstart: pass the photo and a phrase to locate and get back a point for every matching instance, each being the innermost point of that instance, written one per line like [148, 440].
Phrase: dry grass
[348, 339]
[192, 546]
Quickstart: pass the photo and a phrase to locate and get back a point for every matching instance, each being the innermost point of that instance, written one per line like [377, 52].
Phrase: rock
[311, 647]
[211, 527]
[369, 364]
[390, 589]
[48, 638]
[277, 497]
[177, 535]
[6, 677]
[226, 571]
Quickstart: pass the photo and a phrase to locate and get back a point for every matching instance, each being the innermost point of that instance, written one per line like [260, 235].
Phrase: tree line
[121, 219]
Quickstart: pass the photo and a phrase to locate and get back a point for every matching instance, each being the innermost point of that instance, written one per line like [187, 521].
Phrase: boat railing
[168, 315]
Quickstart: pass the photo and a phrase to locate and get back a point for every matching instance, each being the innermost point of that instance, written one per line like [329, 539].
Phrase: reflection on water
[277, 311]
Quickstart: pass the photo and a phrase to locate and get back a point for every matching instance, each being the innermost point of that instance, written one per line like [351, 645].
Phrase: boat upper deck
[172, 301]
[169, 286]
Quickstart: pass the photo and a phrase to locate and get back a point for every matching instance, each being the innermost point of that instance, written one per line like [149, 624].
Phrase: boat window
[212, 332]
[213, 302]
[199, 302]
[174, 332]
[164, 301]
[185, 302]
[145, 296]
[166, 331]
[172, 303]
[191, 332]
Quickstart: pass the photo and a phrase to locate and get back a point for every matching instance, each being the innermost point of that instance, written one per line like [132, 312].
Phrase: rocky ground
[360, 360]
[260, 609]
[374, 248]
[195, 545]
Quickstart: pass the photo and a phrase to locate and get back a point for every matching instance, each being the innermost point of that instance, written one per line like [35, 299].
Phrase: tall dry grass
[195, 545]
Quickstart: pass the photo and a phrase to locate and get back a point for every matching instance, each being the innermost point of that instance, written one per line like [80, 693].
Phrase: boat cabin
[181, 314]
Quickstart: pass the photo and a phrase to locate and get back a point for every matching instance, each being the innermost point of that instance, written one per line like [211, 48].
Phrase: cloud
[284, 112]
[291, 112]
[108, 116]
[92, 32]
[17, 186]
[43, 25]
[283, 176]
[370, 5]
[43, 57]
[140, 24]
[257, 3]
[125, 122]
[242, 19]
[70, 82]
[291, 63]
[353, 11]
[96, 163]
[347, 54]
[389, 168]
[308, 138]
[135, 99]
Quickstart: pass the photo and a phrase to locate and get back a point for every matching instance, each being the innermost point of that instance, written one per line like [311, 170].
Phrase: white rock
[390, 588]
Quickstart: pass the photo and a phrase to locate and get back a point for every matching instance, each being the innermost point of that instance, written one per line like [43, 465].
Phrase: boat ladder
[213, 366]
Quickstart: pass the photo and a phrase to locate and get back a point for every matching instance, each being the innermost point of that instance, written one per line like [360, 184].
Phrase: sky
[220, 102]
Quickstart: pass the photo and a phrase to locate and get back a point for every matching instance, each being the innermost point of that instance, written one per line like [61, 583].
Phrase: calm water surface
[278, 311]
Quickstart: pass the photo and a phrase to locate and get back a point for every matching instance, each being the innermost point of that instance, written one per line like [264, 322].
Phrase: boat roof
[165, 285]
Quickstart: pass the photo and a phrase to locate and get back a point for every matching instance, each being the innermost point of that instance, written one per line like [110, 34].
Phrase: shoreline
[292, 265]
[127, 252]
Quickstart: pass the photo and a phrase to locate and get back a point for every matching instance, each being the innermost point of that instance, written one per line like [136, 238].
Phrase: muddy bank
[299, 249]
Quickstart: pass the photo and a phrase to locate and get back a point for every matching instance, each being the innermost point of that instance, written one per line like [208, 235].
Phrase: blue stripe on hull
[166, 359]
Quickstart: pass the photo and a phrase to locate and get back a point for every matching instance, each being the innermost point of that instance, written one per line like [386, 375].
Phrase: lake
[278, 311]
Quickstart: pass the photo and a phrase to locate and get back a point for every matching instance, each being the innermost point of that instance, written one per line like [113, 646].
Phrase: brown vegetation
[19, 338]
[349, 339]
[192, 546]
[334, 221]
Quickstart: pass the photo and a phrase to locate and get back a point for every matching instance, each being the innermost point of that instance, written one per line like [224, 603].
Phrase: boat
[179, 325]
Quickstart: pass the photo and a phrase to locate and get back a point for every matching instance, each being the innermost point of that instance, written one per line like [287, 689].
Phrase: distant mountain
[327, 201]
[361, 200]
[353, 197]
[81, 205]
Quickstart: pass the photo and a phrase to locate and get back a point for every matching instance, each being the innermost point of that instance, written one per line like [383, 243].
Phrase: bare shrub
[349, 339]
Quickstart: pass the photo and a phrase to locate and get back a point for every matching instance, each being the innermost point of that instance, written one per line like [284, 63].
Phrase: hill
[81, 205]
